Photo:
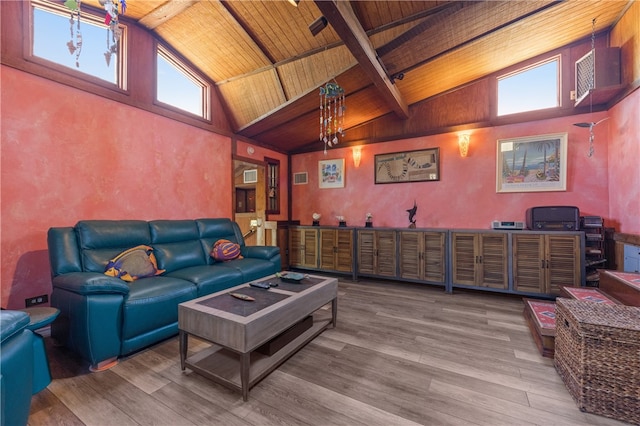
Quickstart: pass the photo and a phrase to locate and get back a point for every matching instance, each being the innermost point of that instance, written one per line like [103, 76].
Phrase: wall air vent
[300, 178]
[598, 73]
[251, 176]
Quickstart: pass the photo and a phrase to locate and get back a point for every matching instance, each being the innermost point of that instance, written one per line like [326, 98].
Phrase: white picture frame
[532, 163]
[331, 173]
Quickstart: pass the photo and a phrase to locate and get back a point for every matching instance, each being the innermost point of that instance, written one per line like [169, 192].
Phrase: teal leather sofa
[24, 370]
[102, 317]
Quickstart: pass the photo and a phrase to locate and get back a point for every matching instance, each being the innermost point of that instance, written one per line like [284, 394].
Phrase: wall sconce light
[463, 144]
[357, 155]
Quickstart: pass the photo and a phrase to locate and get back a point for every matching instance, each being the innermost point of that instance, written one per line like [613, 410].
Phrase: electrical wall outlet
[37, 300]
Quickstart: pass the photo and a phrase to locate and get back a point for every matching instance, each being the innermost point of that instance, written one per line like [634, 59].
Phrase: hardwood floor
[401, 354]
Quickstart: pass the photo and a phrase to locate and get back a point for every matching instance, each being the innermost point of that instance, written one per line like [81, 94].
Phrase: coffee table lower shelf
[224, 366]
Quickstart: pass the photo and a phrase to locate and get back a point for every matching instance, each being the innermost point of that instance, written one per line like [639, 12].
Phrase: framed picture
[331, 173]
[532, 164]
[409, 166]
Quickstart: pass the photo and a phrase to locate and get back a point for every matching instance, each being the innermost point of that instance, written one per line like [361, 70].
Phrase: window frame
[90, 15]
[529, 65]
[191, 73]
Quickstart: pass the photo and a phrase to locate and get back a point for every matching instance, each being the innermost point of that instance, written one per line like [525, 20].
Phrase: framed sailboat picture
[532, 163]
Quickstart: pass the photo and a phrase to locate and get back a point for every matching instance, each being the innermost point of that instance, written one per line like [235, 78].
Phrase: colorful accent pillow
[137, 262]
[224, 250]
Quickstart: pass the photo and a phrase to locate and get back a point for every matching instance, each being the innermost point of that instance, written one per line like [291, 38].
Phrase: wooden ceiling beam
[345, 23]
[164, 13]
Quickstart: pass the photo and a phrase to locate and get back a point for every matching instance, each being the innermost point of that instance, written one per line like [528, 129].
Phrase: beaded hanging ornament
[75, 43]
[332, 114]
[112, 8]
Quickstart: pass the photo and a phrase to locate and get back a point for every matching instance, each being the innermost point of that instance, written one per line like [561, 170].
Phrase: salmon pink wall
[465, 196]
[624, 158]
[69, 155]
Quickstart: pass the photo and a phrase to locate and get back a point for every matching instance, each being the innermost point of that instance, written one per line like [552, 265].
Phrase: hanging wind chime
[75, 43]
[111, 20]
[590, 125]
[332, 113]
[112, 8]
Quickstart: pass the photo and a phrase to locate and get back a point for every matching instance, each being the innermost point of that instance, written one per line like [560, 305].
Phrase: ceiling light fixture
[332, 113]
[398, 76]
[318, 25]
[294, 2]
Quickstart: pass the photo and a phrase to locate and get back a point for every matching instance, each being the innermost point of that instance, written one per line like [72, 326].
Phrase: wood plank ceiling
[268, 66]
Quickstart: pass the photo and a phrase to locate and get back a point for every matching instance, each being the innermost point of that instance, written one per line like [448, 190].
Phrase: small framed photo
[331, 173]
[532, 163]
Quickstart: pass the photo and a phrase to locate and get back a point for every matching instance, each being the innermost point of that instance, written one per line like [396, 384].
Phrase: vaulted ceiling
[267, 65]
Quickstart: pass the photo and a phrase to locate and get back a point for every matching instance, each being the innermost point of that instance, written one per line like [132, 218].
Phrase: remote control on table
[265, 286]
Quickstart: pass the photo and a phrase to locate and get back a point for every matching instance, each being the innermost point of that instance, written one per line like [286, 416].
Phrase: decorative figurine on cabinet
[316, 219]
[369, 221]
[412, 215]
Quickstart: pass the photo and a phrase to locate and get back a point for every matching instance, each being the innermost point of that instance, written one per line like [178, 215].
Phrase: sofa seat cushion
[252, 269]
[210, 278]
[153, 303]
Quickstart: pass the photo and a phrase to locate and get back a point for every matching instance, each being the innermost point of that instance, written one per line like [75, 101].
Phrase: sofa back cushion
[102, 240]
[64, 253]
[176, 244]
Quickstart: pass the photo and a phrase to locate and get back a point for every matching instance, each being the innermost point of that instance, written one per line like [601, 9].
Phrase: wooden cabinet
[542, 263]
[336, 249]
[422, 255]
[480, 259]
[377, 252]
[303, 247]
[520, 262]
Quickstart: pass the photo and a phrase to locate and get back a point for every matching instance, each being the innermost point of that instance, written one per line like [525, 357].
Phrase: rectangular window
[78, 41]
[179, 87]
[529, 89]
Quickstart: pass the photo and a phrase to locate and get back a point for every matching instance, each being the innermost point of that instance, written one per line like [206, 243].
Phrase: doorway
[249, 198]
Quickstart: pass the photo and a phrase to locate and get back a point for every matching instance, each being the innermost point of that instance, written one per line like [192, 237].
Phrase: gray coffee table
[237, 327]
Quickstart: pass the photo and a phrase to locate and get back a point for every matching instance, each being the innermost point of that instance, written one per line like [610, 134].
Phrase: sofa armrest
[261, 252]
[86, 283]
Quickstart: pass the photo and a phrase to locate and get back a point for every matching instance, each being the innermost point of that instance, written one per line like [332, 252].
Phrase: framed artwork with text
[409, 166]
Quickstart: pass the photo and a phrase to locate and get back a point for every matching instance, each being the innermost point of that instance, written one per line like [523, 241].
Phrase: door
[249, 199]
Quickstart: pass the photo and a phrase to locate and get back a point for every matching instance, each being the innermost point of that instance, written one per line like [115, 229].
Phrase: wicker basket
[597, 354]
